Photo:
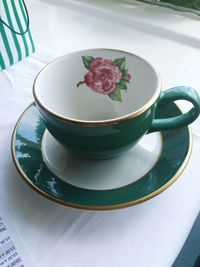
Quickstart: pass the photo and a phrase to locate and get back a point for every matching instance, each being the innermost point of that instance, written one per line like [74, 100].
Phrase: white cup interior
[56, 88]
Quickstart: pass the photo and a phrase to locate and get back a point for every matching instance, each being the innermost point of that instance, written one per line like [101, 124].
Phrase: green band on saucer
[27, 156]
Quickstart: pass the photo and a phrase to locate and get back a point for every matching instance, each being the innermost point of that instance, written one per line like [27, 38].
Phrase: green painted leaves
[116, 95]
[120, 62]
[125, 78]
[122, 85]
[87, 60]
[106, 76]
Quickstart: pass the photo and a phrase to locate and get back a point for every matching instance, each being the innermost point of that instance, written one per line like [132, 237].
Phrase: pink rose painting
[106, 76]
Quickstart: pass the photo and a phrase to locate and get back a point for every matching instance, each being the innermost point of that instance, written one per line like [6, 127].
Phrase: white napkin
[150, 234]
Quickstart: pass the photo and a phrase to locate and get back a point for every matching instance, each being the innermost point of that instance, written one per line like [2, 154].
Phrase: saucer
[136, 176]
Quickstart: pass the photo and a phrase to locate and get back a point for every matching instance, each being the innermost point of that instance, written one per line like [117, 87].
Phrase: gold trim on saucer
[99, 208]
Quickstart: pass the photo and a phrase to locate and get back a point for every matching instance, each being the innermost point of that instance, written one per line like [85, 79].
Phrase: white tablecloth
[150, 234]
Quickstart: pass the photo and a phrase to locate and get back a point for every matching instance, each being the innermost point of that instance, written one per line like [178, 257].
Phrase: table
[149, 234]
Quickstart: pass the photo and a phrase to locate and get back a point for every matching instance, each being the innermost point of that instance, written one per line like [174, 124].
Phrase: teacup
[100, 102]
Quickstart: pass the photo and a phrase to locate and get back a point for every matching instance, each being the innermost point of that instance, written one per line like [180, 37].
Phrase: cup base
[101, 174]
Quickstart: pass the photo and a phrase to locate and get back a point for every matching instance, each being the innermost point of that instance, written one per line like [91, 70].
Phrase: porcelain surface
[101, 174]
[99, 103]
[32, 147]
[77, 85]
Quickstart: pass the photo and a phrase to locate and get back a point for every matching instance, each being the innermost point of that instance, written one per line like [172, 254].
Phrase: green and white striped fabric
[14, 47]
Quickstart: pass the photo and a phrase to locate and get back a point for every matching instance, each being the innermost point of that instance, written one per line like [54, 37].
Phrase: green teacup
[100, 102]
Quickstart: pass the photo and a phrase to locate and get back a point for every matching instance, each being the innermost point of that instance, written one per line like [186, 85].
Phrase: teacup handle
[173, 94]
